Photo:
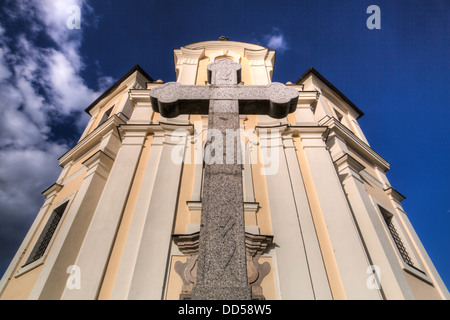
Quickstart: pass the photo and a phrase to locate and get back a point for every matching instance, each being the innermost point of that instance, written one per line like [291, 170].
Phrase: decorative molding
[91, 139]
[308, 98]
[256, 57]
[54, 188]
[248, 206]
[356, 143]
[255, 246]
[348, 160]
[227, 53]
[397, 196]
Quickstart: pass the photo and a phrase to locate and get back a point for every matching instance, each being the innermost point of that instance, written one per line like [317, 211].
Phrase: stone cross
[222, 270]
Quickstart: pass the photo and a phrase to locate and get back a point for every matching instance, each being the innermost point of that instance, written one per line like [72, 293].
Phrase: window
[396, 237]
[47, 234]
[339, 115]
[105, 116]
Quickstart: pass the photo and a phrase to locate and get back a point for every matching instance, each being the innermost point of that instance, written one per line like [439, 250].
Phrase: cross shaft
[222, 270]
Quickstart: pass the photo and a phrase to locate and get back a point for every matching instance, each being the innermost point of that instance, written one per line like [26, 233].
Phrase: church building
[142, 210]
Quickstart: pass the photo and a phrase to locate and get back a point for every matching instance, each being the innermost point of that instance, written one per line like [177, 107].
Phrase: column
[186, 64]
[94, 254]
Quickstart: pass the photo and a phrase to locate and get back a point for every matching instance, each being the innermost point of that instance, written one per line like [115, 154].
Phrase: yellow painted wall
[183, 215]
[202, 78]
[260, 188]
[175, 283]
[20, 288]
[115, 101]
[421, 289]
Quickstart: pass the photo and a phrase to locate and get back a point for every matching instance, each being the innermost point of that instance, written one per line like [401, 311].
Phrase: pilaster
[317, 270]
[186, 64]
[293, 270]
[349, 252]
[94, 253]
[141, 106]
[130, 252]
[153, 252]
[392, 281]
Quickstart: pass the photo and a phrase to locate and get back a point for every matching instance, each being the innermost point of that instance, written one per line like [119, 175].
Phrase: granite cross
[222, 270]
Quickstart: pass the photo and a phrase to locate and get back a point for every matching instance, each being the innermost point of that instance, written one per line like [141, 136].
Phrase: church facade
[321, 219]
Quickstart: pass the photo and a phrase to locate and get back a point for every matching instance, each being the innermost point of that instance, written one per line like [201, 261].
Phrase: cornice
[256, 56]
[348, 160]
[52, 189]
[223, 45]
[117, 84]
[139, 95]
[394, 194]
[309, 131]
[91, 139]
[312, 71]
[356, 143]
[248, 206]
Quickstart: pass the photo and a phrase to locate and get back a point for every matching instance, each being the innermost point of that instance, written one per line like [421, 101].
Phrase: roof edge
[117, 83]
[332, 87]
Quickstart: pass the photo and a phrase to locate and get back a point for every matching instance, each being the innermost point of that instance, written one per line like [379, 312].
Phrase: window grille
[46, 235]
[398, 241]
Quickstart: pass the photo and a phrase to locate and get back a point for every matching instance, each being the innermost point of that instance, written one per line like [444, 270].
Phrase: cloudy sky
[398, 75]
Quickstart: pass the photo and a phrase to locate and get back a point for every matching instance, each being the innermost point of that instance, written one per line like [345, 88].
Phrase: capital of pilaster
[188, 56]
[271, 132]
[257, 57]
[98, 158]
[180, 129]
[134, 134]
[174, 134]
[308, 99]
[311, 132]
[394, 195]
[312, 136]
[52, 190]
[140, 97]
[348, 162]
[99, 163]
[288, 141]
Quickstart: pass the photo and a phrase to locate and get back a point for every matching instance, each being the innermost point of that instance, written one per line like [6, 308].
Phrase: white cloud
[38, 84]
[276, 40]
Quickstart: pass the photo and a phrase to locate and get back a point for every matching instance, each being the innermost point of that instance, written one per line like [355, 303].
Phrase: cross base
[221, 293]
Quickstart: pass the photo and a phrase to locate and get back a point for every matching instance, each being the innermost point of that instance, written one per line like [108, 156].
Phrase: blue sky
[397, 75]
